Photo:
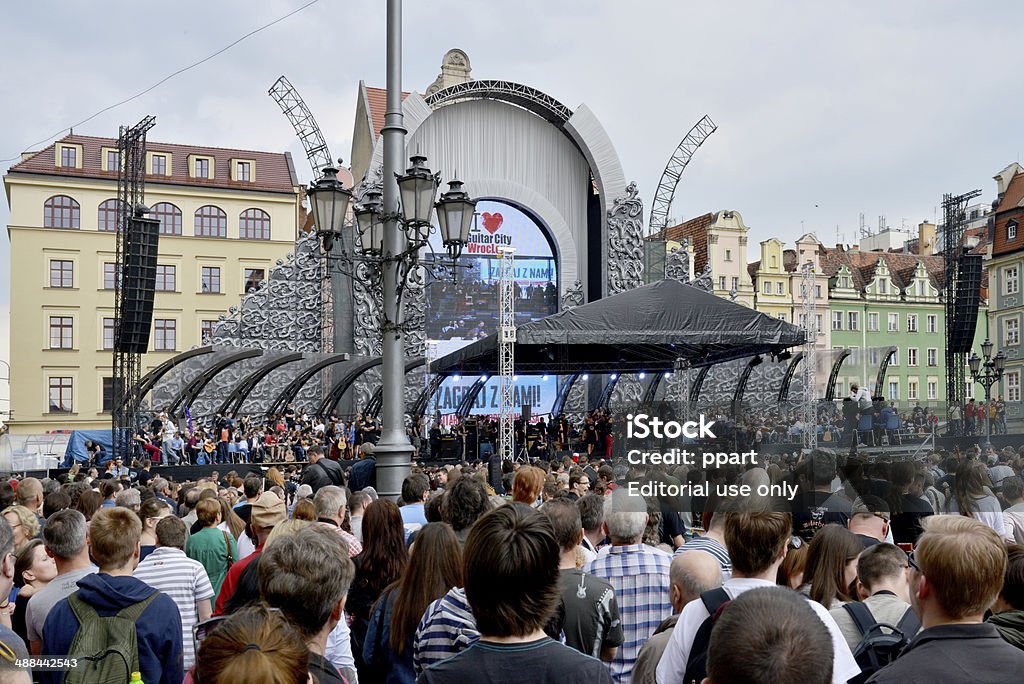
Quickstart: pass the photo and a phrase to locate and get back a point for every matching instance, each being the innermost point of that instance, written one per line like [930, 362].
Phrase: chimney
[925, 238]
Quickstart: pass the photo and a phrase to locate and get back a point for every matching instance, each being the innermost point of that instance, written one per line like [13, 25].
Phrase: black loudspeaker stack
[968, 300]
[138, 282]
[527, 413]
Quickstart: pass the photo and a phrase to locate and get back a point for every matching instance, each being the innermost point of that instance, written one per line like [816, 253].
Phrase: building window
[894, 360]
[211, 221]
[1011, 230]
[894, 322]
[244, 171]
[254, 224]
[108, 334]
[60, 211]
[820, 329]
[68, 156]
[767, 288]
[1011, 280]
[1013, 386]
[970, 388]
[62, 273]
[60, 332]
[853, 320]
[933, 357]
[113, 160]
[109, 270]
[912, 323]
[206, 331]
[108, 395]
[159, 165]
[817, 291]
[169, 217]
[912, 356]
[253, 278]
[883, 286]
[837, 320]
[736, 284]
[202, 168]
[211, 279]
[60, 395]
[108, 215]
[912, 389]
[1011, 332]
[780, 288]
[721, 282]
[933, 390]
[894, 390]
[775, 261]
[873, 356]
[872, 322]
[933, 323]
[165, 333]
[166, 278]
[781, 316]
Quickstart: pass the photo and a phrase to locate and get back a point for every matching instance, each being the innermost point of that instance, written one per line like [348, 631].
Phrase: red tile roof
[1009, 208]
[377, 98]
[696, 230]
[273, 172]
[862, 266]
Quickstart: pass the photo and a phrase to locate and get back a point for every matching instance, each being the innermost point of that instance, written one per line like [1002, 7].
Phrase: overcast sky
[825, 109]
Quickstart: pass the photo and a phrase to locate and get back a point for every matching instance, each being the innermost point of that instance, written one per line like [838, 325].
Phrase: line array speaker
[138, 282]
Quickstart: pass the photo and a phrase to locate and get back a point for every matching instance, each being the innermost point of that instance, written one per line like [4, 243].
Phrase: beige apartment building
[226, 216]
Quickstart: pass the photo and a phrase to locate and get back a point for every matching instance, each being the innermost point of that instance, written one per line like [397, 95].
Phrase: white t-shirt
[672, 666]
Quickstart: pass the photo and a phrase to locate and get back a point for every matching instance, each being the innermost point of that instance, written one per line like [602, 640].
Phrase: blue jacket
[158, 630]
[377, 653]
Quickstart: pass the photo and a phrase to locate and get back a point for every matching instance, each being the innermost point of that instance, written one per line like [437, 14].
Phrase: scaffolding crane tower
[809, 403]
[506, 352]
[305, 125]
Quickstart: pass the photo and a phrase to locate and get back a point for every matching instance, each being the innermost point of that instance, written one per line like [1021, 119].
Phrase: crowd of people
[468, 309]
[551, 572]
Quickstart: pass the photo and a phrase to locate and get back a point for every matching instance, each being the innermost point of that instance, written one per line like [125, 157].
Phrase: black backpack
[876, 648]
[697, 664]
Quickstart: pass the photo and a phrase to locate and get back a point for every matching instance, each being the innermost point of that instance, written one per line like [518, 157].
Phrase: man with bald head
[690, 575]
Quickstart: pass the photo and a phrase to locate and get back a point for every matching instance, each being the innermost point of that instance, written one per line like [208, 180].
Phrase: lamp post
[993, 373]
[393, 228]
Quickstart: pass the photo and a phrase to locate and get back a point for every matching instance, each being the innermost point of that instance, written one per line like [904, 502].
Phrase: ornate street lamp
[455, 218]
[370, 223]
[417, 188]
[329, 202]
[993, 373]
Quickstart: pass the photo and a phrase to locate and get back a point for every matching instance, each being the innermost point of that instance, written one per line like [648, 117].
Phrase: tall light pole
[993, 372]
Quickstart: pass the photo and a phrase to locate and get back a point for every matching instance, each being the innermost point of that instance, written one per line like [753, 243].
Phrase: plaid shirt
[639, 574]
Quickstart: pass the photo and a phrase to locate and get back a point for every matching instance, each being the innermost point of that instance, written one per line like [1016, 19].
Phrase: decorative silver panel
[704, 281]
[625, 242]
[677, 263]
[573, 296]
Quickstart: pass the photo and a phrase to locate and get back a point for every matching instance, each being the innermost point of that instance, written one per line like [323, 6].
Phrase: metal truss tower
[809, 315]
[305, 125]
[506, 352]
[954, 210]
[131, 188]
[674, 170]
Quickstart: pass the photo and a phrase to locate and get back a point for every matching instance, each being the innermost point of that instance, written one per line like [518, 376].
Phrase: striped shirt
[639, 574]
[712, 546]
[185, 580]
[448, 627]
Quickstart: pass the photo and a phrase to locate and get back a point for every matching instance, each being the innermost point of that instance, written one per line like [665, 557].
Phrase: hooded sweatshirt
[1011, 626]
[158, 630]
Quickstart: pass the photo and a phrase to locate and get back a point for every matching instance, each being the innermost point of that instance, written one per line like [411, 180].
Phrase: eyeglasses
[912, 561]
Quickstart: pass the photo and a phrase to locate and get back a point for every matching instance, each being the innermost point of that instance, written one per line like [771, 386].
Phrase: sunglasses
[913, 561]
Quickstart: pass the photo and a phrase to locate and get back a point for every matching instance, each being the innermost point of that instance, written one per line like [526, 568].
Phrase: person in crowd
[30, 495]
[511, 575]
[464, 503]
[639, 575]
[357, 504]
[447, 628]
[33, 570]
[906, 507]
[66, 540]
[55, 501]
[767, 636]
[231, 523]
[130, 499]
[691, 574]
[434, 567]
[321, 471]
[151, 511]
[712, 541]
[1008, 610]
[267, 512]
[527, 485]
[757, 543]
[816, 504]
[162, 489]
[304, 510]
[591, 623]
[1013, 514]
[14, 645]
[89, 502]
[972, 496]
[883, 585]
[212, 547]
[253, 645]
[329, 508]
[382, 561]
[870, 520]
[307, 575]
[114, 542]
[170, 571]
[957, 571]
[252, 487]
[109, 489]
[24, 524]
[831, 566]
[415, 491]
[591, 508]
[364, 471]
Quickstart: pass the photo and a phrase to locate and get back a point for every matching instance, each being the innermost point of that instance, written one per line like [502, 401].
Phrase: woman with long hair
[435, 566]
[33, 570]
[831, 566]
[213, 547]
[150, 512]
[972, 495]
[382, 561]
[230, 522]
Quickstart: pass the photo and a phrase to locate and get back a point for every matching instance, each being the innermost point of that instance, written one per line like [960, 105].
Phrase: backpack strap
[909, 625]
[135, 611]
[227, 546]
[862, 617]
[714, 599]
[82, 610]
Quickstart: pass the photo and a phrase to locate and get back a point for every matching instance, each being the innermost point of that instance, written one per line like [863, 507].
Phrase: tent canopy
[643, 330]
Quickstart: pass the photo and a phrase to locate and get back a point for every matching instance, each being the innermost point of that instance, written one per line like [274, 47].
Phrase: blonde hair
[964, 560]
[286, 528]
[28, 520]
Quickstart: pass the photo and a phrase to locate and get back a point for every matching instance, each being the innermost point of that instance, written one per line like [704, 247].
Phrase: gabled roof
[696, 231]
[377, 99]
[1009, 208]
[863, 265]
[273, 172]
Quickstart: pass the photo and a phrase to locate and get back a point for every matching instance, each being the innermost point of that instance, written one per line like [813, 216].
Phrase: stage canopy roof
[643, 330]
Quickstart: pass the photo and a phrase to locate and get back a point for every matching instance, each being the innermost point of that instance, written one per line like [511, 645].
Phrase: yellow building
[226, 217]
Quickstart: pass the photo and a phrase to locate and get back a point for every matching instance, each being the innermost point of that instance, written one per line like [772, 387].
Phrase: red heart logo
[492, 222]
